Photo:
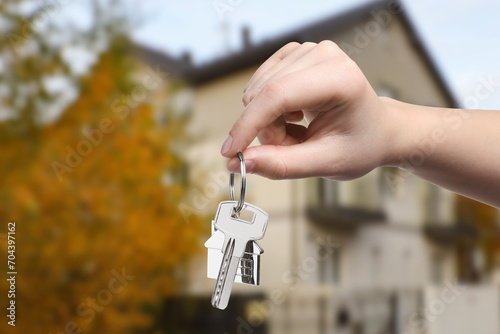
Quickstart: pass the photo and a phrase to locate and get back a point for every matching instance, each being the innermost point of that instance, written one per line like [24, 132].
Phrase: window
[437, 268]
[329, 268]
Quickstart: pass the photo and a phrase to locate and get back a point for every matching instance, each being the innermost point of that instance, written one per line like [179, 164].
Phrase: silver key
[237, 234]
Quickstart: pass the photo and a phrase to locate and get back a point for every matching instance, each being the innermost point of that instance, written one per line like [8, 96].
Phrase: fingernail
[249, 166]
[227, 145]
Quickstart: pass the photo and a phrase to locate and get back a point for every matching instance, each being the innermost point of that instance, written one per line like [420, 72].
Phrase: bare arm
[453, 148]
[352, 131]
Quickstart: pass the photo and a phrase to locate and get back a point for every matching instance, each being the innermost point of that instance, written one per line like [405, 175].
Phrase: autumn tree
[94, 189]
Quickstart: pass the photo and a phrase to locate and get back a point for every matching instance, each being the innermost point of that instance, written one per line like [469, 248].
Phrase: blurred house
[402, 243]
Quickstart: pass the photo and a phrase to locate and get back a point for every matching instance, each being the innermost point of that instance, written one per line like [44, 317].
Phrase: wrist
[407, 126]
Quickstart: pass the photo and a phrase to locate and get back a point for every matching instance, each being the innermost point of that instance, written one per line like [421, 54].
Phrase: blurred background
[112, 114]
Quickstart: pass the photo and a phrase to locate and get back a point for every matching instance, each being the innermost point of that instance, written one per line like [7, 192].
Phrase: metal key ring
[241, 200]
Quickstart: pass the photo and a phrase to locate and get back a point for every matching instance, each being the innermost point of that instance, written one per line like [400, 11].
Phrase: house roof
[252, 55]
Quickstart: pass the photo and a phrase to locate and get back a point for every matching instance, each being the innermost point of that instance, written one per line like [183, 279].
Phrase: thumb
[283, 162]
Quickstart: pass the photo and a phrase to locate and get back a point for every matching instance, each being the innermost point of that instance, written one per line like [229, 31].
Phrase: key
[237, 234]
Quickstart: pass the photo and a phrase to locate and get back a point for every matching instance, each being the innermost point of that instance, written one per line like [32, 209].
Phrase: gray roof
[252, 55]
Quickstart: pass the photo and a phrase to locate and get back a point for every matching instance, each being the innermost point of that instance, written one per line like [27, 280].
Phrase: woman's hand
[349, 128]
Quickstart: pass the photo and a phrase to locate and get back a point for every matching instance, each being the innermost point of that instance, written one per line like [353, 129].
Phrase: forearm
[456, 149]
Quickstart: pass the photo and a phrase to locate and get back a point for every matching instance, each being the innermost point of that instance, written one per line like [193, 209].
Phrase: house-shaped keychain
[249, 267]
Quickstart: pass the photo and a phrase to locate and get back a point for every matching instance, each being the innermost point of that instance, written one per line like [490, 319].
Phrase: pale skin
[351, 130]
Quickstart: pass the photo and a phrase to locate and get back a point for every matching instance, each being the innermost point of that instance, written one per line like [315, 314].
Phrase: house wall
[392, 65]
[460, 310]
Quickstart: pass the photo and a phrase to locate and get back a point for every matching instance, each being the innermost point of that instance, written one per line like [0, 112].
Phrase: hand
[349, 130]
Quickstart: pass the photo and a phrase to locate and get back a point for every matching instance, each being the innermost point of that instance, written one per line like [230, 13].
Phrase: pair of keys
[233, 252]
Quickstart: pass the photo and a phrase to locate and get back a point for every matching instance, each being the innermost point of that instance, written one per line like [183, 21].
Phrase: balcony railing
[344, 205]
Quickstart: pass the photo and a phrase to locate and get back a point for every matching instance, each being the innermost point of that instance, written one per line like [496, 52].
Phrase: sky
[463, 36]
[213, 28]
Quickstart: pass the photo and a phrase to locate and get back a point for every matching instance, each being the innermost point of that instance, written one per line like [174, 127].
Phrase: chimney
[186, 58]
[247, 44]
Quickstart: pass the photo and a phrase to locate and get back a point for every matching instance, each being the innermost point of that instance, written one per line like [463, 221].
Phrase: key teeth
[216, 304]
[220, 299]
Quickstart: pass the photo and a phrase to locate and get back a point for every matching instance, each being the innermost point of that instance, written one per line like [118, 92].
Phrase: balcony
[345, 205]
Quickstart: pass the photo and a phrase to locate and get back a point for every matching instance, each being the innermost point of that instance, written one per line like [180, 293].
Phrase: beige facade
[384, 268]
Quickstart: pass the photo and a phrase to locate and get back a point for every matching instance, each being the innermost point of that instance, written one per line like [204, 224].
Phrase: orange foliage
[110, 213]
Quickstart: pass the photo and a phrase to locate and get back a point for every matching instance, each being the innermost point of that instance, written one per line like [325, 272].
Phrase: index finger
[295, 91]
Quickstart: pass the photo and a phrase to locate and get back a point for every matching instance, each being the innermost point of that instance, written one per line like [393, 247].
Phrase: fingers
[305, 56]
[259, 78]
[274, 134]
[294, 116]
[283, 162]
[312, 88]
[282, 134]
[271, 61]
